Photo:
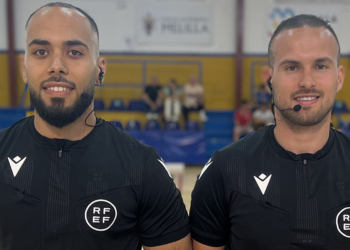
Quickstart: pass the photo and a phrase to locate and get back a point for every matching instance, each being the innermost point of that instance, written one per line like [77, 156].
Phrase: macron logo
[263, 182]
[16, 164]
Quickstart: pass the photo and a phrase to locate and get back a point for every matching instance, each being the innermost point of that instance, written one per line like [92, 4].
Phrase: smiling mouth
[59, 89]
[310, 98]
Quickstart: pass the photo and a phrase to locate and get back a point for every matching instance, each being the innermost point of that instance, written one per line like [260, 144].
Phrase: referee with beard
[287, 186]
[67, 179]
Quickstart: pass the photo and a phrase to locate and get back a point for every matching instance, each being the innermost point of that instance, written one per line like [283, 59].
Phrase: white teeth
[306, 98]
[58, 89]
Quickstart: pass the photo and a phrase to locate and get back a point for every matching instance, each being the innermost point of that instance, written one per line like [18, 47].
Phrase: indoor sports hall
[177, 70]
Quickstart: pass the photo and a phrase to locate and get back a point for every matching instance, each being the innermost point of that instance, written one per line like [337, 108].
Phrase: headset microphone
[296, 108]
[85, 95]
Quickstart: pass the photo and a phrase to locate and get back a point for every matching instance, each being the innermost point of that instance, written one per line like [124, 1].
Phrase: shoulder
[125, 141]
[342, 138]
[15, 129]
[245, 148]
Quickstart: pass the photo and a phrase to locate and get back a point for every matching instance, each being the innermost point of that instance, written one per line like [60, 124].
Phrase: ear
[271, 74]
[341, 75]
[23, 68]
[102, 66]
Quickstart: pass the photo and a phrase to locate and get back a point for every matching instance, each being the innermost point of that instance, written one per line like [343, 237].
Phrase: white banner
[276, 13]
[170, 23]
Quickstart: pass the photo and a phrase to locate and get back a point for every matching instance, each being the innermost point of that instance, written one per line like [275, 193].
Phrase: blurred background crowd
[188, 77]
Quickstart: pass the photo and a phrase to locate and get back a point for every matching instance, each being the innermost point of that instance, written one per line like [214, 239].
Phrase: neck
[73, 132]
[301, 139]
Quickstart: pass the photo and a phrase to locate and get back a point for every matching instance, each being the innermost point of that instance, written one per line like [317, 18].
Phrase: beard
[303, 117]
[57, 114]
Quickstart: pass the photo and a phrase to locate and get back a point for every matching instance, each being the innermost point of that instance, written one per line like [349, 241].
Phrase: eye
[321, 66]
[40, 52]
[292, 68]
[75, 53]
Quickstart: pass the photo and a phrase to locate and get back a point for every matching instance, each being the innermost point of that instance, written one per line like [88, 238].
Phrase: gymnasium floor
[186, 185]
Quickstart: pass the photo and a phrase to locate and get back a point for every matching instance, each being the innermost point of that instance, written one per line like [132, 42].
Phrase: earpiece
[101, 75]
[269, 84]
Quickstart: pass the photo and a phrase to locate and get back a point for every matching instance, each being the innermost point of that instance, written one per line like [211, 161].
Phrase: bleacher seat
[9, 116]
[172, 126]
[152, 125]
[344, 125]
[133, 125]
[116, 104]
[117, 124]
[99, 104]
[137, 105]
[340, 107]
[192, 126]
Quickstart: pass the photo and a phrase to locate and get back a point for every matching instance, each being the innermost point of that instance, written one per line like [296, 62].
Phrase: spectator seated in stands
[262, 96]
[172, 101]
[243, 120]
[153, 98]
[263, 116]
[194, 99]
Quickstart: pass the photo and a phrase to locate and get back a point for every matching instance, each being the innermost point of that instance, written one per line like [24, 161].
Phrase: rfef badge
[343, 222]
[100, 215]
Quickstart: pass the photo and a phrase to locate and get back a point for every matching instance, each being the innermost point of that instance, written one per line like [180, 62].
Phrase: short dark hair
[300, 21]
[68, 6]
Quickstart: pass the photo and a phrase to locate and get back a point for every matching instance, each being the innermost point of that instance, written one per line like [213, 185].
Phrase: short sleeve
[209, 220]
[163, 218]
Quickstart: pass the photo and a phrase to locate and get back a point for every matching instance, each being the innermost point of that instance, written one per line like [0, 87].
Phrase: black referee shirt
[253, 194]
[106, 191]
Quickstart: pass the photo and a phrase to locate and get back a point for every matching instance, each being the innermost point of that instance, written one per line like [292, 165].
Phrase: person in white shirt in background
[194, 99]
[263, 116]
[172, 101]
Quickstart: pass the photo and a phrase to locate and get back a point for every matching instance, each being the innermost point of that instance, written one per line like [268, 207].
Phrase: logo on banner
[148, 23]
[175, 23]
[276, 17]
[100, 215]
[343, 222]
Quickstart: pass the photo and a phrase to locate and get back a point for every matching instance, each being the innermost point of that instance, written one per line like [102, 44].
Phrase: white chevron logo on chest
[16, 164]
[263, 182]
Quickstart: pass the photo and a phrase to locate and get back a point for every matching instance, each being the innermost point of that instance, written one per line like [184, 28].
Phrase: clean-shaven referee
[70, 181]
[286, 186]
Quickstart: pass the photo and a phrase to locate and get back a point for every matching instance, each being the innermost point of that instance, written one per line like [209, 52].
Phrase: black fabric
[106, 191]
[305, 205]
[186, 110]
[152, 92]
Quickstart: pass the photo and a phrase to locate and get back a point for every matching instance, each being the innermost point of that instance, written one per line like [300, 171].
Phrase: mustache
[57, 79]
[307, 91]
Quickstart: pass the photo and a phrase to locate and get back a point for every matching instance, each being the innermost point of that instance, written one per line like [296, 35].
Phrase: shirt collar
[290, 155]
[59, 143]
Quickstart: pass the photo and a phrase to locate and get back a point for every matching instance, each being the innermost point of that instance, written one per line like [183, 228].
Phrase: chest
[285, 204]
[75, 198]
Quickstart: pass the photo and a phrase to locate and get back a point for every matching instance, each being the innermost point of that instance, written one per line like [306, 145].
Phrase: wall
[217, 74]
[260, 17]
[117, 23]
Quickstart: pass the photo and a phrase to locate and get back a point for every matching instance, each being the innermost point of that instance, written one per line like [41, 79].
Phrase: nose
[58, 66]
[307, 80]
